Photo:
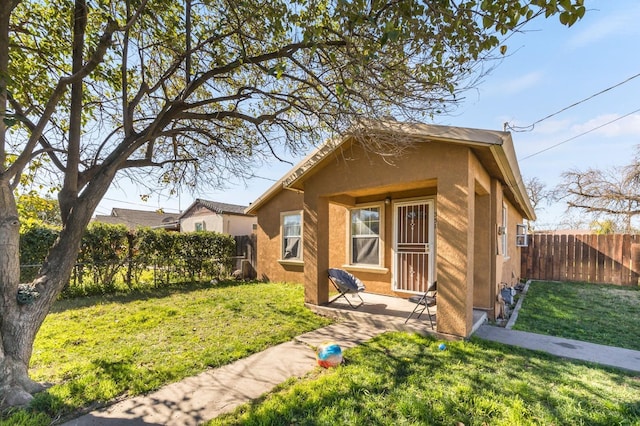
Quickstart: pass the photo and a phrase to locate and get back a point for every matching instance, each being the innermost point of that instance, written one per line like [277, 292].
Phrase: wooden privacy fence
[610, 259]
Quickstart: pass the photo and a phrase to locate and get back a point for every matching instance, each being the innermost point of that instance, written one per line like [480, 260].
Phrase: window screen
[291, 235]
[365, 236]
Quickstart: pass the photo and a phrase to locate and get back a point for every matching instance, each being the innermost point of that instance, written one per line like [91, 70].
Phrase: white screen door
[413, 245]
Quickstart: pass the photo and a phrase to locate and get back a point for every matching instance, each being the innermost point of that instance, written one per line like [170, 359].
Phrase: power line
[581, 134]
[263, 178]
[532, 125]
[253, 176]
[134, 204]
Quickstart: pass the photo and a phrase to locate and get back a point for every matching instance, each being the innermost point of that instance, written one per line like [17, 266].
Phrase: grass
[603, 314]
[400, 378]
[403, 379]
[95, 350]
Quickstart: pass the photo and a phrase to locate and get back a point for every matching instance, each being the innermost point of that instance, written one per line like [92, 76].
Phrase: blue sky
[548, 68]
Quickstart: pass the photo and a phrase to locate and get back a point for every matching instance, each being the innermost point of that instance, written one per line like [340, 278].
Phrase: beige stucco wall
[212, 222]
[467, 203]
[231, 224]
[269, 265]
[377, 279]
[234, 224]
[509, 267]
[364, 177]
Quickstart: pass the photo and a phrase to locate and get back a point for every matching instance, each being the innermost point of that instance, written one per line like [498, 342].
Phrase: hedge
[113, 258]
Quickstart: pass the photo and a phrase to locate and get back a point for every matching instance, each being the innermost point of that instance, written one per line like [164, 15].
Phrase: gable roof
[216, 207]
[494, 149]
[133, 219]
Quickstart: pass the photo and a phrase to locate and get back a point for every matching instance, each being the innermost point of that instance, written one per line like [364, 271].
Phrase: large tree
[610, 196]
[538, 194]
[173, 92]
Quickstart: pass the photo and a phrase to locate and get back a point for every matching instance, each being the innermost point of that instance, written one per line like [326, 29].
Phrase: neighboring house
[134, 219]
[204, 215]
[448, 208]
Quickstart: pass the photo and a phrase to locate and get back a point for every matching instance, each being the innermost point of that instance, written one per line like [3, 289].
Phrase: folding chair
[345, 283]
[424, 301]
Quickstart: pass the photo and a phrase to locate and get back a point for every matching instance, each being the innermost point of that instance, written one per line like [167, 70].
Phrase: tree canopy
[178, 92]
[610, 196]
[196, 90]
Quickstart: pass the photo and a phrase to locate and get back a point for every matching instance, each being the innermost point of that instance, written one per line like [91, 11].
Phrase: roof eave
[294, 176]
[507, 163]
[499, 143]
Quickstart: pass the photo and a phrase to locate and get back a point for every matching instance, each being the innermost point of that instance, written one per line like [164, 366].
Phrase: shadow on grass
[399, 378]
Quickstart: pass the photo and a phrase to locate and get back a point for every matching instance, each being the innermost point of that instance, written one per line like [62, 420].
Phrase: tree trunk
[19, 323]
[16, 330]
[69, 191]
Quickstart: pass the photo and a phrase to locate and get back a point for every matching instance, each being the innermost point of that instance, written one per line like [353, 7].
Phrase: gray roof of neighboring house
[133, 219]
[216, 207]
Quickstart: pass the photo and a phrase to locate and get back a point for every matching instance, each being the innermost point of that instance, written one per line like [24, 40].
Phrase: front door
[413, 247]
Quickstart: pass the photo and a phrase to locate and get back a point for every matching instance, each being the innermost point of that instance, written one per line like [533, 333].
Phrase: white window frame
[504, 231]
[201, 224]
[350, 236]
[522, 237]
[298, 258]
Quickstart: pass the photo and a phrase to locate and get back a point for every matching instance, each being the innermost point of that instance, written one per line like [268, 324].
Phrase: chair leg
[341, 294]
[361, 300]
[344, 294]
[351, 304]
[415, 309]
[430, 317]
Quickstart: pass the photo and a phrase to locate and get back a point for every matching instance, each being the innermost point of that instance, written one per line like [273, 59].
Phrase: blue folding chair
[345, 283]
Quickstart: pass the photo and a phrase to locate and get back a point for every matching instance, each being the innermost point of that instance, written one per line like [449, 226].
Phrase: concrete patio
[388, 312]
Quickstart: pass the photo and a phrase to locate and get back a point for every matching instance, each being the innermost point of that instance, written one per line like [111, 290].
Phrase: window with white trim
[291, 224]
[365, 236]
[503, 230]
[200, 226]
[522, 238]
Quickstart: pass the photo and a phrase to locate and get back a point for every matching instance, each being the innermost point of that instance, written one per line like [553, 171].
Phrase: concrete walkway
[573, 349]
[212, 393]
[198, 399]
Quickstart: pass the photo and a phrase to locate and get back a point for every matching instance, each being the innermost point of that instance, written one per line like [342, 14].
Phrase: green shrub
[113, 259]
[35, 242]
[104, 252]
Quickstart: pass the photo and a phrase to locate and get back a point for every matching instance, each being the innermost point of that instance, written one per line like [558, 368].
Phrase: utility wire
[581, 134]
[147, 205]
[531, 126]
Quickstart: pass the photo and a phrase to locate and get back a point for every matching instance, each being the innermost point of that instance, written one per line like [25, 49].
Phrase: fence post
[635, 262]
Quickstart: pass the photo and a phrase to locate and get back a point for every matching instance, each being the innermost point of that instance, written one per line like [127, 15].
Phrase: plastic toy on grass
[442, 346]
[329, 354]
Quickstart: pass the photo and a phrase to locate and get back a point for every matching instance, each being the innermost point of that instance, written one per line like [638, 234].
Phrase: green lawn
[97, 349]
[604, 314]
[403, 379]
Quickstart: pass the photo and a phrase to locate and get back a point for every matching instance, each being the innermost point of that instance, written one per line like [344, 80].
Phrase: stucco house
[205, 215]
[450, 207]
